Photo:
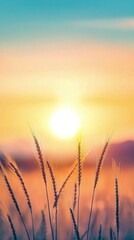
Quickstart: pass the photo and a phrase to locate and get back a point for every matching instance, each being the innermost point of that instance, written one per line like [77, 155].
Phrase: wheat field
[66, 202]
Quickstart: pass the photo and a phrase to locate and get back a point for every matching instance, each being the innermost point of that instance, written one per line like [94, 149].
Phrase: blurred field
[104, 205]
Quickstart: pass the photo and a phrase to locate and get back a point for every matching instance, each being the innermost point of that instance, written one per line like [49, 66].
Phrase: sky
[76, 53]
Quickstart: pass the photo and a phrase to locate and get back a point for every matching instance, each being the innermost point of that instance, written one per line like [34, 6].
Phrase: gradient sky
[78, 53]
[23, 21]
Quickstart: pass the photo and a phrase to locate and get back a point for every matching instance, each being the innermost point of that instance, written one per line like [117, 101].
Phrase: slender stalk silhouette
[18, 174]
[79, 182]
[55, 197]
[75, 196]
[117, 208]
[15, 203]
[12, 227]
[43, 226]
[42, 167]
[75, 225]
[100, 233]
[95, 184]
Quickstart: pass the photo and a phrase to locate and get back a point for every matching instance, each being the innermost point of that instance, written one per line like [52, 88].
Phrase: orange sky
[96, 79]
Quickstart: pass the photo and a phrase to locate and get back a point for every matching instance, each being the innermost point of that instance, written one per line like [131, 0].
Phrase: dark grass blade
[75, 225]
[42, 167]
[117, 208]
[75, 196]
[98, 169]
[100, 233]
[64, 184]
[79, 182]
[15, 203]
[12, 228]
[43, 225]
[55, 197]
[18, 174]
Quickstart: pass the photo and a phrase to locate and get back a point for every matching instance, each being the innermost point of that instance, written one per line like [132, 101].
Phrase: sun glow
[65, 122]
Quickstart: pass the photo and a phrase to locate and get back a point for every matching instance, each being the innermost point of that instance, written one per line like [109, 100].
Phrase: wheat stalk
[18, 174]
[12, 227]
[43, 225]
[79, 181]
[117, 207]
[4, 164]
[79, 164]
[64, 184]
[55, 197]
[100, 164]
[15, 203]
[53, 180]
[41, 160]
[66, 180]
[75, 196]
[75, 225]
[98, 169]
[42, 167]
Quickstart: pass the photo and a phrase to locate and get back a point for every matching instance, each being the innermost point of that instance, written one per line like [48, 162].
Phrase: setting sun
[65, 122]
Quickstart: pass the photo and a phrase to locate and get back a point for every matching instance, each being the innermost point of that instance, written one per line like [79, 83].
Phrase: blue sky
[65, 9]
[24, 20]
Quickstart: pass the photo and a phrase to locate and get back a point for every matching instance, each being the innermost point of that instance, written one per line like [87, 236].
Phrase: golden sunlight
[65, 122]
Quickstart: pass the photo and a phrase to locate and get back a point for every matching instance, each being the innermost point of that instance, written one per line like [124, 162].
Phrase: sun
[65, 122]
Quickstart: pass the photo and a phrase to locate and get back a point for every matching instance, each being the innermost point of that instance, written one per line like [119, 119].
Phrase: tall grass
[15, 203]
[75, 225]
[64, 184]
[75, 216]
[75, 196]
[69, 175]
[55, 198]
[98, 169]
[12, 227]
[117, 208]
[19, 176]
[79, 182]
[42, 167]
[43, 226]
